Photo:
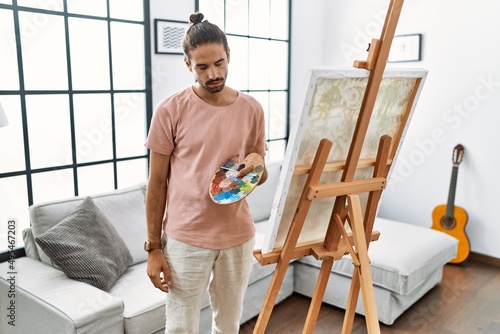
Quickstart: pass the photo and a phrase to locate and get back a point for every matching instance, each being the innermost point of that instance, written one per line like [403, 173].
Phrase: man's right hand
[158, 270]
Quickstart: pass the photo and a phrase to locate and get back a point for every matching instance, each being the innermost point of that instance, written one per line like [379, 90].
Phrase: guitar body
[454, 226]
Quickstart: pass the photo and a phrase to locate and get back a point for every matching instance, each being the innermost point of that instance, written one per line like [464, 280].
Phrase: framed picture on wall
[405, 48]
[169, 35]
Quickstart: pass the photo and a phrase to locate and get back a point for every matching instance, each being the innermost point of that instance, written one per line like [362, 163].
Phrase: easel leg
[363, 270]
[352, 302]
[292, 237]
[371, 209]
[272, 294]
[317, 298]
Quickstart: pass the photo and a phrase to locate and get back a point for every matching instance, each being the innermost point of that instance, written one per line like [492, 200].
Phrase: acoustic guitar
[451, 219]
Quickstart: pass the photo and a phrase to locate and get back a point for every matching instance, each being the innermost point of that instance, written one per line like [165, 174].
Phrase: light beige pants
[226, 273]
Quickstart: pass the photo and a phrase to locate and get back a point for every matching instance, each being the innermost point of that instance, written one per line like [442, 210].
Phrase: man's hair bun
[196, 18]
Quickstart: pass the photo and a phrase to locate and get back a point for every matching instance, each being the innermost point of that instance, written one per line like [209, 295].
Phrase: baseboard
[486, 259]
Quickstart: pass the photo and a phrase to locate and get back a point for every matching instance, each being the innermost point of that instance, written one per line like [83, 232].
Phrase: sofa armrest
[40, 298]
[30, 244]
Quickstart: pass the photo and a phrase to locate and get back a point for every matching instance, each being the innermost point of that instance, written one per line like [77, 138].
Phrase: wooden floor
[467, 301]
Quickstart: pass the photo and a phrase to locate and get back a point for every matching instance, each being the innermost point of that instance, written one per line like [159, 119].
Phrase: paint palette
[228, 187]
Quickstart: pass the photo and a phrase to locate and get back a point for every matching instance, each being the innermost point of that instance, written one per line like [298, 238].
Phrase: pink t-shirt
[199, 138]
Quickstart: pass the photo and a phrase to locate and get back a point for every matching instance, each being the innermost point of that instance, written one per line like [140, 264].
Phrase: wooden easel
[347, 207]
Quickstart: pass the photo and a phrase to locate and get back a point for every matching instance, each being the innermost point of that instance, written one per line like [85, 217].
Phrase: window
[75, 90]
[259, 37]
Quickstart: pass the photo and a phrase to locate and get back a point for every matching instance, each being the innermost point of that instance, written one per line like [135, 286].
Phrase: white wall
[461, 45]
[307, 41]
[460, 99]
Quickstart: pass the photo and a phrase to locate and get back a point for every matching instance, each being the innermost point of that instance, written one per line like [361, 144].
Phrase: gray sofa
[406, 262]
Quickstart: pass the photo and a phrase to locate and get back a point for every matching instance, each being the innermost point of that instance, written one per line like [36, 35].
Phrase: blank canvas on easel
[330, 111]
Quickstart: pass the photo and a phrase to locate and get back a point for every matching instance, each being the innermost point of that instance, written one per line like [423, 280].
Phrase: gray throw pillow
[86, 247]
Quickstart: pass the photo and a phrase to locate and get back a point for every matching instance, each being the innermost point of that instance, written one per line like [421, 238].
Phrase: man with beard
[203, 244]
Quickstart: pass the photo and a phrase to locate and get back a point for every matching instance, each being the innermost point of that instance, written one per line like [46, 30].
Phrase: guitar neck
[450, 207]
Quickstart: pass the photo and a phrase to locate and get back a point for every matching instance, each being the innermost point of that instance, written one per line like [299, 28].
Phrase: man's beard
[216, 89]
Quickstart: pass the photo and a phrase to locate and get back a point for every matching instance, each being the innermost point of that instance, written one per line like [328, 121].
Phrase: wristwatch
[148, 245]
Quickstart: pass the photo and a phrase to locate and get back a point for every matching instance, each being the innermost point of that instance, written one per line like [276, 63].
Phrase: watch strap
[152, 245]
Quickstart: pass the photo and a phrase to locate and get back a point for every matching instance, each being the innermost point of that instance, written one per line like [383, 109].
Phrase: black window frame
[19, 251]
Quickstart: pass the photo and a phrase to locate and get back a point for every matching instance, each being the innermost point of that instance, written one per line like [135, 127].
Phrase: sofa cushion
[86, 247]
[124, 208]
[262, 197]
[144, 305]
[47, 301]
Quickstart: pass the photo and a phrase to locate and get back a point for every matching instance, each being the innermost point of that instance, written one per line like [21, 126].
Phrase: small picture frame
[169, 35]
[405, 48]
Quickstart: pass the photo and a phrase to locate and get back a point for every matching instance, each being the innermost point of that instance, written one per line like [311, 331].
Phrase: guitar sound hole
[448, 223]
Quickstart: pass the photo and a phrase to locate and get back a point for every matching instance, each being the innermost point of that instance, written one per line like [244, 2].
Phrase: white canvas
[330, 111]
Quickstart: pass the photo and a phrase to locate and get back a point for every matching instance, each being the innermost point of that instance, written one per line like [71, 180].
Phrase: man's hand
[251, 161]
[158, 270]
[245, 171]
